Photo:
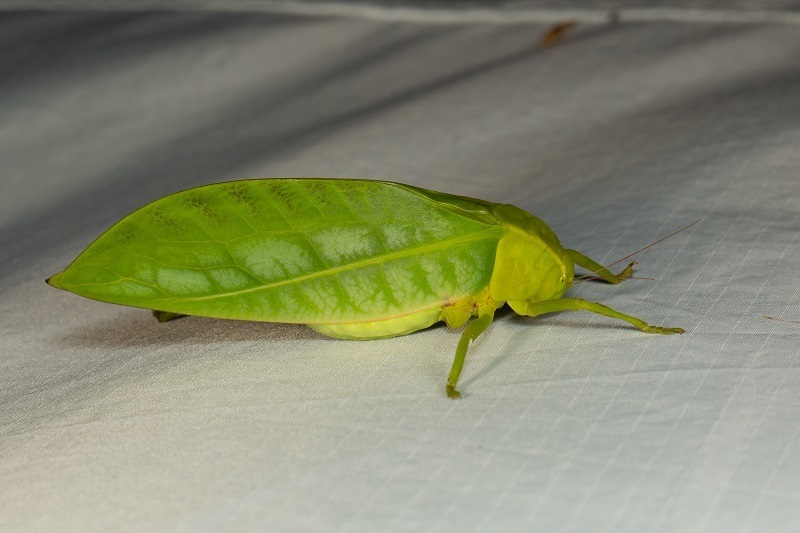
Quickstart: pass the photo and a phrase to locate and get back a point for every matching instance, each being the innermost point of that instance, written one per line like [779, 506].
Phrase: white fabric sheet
[618, 135]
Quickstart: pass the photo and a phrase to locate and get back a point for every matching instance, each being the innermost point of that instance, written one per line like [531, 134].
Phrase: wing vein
[485, 234]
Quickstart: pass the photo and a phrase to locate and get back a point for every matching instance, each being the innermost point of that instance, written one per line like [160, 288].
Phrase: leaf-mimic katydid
[353, 259]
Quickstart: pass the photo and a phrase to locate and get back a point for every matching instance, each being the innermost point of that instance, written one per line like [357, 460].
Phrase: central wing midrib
[351, 266]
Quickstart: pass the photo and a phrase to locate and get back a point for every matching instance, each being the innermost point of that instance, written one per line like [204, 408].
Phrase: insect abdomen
[382, 329]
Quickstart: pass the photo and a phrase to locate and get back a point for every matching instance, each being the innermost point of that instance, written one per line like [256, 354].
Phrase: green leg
[471, 332]
[166, 316]
[576, 304]
[598, 269]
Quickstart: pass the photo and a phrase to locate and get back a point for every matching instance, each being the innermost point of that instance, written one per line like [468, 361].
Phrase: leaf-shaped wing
[292, 250]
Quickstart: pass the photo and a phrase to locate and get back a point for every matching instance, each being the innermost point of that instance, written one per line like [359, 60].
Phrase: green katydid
[352, 259]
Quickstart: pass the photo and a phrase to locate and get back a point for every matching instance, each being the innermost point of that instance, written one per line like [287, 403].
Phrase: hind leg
[166, 316]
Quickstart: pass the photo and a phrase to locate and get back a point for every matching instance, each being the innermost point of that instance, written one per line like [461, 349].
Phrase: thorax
[530, 263]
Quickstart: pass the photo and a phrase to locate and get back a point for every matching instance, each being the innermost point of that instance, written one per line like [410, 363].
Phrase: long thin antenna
[654, 243]
[585, 277]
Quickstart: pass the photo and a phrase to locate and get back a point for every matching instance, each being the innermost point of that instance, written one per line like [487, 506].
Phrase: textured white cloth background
[622, 133]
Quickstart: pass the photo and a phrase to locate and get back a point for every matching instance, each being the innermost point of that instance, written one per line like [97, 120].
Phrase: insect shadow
[139, 328]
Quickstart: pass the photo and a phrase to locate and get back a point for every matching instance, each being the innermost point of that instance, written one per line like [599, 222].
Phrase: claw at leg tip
[452, 393]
